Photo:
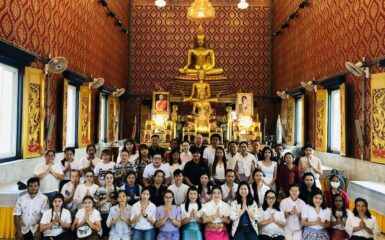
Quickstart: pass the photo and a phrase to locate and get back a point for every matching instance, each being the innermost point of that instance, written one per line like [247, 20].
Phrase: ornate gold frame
[321, 137]
[290, 121]
[154, 97]
[343, 118]
[377, 143]
[238, 102]
[84, 125]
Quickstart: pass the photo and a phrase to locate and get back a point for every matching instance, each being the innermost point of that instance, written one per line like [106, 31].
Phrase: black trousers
[360, 238]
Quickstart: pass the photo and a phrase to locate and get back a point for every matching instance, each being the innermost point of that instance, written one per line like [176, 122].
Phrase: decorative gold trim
[250, 102]
[65, 96]
[377, 145]
[234, 3]
[321, 137]
[290, 121]
[154, 98]
[343, 118]
[84, 125]
[303, 119]
[110, 119]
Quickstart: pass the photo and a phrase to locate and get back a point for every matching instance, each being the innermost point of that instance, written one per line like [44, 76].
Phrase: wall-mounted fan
[283, 95]
[359, 69]
[56, 65]
[119, 92]
[96, 83]
[309, 86]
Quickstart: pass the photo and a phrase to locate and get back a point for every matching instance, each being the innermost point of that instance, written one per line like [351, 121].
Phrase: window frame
[104, 91]
[330, 90]
[298, 98]
[104, 127]
[77, 89]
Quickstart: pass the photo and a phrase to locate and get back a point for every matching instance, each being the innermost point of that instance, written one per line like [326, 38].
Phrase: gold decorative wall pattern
[321, 120]
[290, 121]
[111, 111]
[84, 125]
[377, 152]
[33, 113]
[65, 96]
[343, 118]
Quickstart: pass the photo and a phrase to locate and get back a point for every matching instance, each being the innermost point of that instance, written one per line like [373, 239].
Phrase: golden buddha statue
[200, 58]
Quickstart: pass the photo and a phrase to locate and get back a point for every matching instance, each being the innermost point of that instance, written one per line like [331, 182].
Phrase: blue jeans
[245, 233]
[148, 234]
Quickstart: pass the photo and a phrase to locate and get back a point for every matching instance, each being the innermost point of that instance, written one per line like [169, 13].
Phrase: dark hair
[177, 172]
[254, 185]
[132, 141]
[90, 198]
[142, 146]
[244, 142]
[85, 173]
[49, 151]
[244, 97]
[334, 208]
[57, 195]
[171, 160]
[33, 180]
[146, 189]
[229, 170]
[267, 148]
[224, 160]
[339, 179]
[159, 171]
[288, 153]
[279, 145]
[155, 136]
[209, 184]
[90, 145]
[294, 185]
[74, 170]
[313, 194]
[69, 149]
[307, 145]
[106, 152]
[113, 194]
[194, 149]
[256, 140]
[231, 142]
[218, 188]
[303, 186]
[186, 142]
[249, 197]
[215, 135]
[119, 192]
[129, 173]
[275, 205]
[355, 212]
[172, 193]
[191, 189]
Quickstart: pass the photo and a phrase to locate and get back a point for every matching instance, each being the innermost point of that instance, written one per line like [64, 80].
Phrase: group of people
[196, 193]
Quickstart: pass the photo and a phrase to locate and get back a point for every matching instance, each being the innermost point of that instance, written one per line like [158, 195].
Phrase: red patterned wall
[77, 30]
[318, 43]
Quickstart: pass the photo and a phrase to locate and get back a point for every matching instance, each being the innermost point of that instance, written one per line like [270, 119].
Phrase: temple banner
[84, 125]
[110, 118]
[343, 119]
[377, 150]
[321, 120]
[290, 121]
[33, 113]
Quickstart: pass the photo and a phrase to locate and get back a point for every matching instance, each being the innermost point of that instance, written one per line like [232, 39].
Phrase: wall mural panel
[84, 124]
[290, 126]
[321, 133]
[377, 152]
[343, 118]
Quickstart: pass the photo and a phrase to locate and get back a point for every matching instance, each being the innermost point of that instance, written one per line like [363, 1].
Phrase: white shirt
[268, 171]
[293, 222]
[48, 183]
[261, 193]
[101, 169]
[95, 216]
[209, 154]
[119, 230]
[132, 158]
[210, 208]
[67, 190]
[30, 210]
[354, 221]
[65, 216]
[226, 190]
[81, 191]
[272, 228]
[311, 215]
[143, 224]
[185, 157]
[219, 172]
[172, 168]
[85, 163]
[232, 160]
[341, 226]
[74, 165]
[245, 164]
[191, 207]
[149, 171]
[179, 193]
[308, 165]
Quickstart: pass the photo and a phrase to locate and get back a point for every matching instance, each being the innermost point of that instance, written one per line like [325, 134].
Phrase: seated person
[149, 170]
[178, 188]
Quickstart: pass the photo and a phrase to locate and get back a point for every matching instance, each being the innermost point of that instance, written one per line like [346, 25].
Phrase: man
[179, 188]
[68, 190]
[149, 170]
[174, 145]
[195, 168]
[28, 211]
[279, 155]
[209, 152]
[198, 143]
[256, 151]
[157, 188]
[232, 154]
[154, 148]
[229, 188]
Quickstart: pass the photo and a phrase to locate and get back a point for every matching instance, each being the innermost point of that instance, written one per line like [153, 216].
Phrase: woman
[219, 167]
[67, 164]
[174, 163]
[88, 217]
[88, 188]
[288, 175]
[244, 165]
[335, 186]
[216, 215]
[105, 198]
[258, 187]
[362, 225]
[339, 215]
[168, 218]
[268, 167]
[185, 155]
[310, 163]
[307, 188]
[244, 214]
[118, 219]
[141, 162]
[89, 161]
[316, 218]
[56, 221]
[143, 217]
[272, 218]
[204, 188]
[122, 168]
[130, 146]
[131, 188]
[191, 213]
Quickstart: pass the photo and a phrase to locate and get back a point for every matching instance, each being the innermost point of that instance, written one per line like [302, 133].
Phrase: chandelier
[201, 10]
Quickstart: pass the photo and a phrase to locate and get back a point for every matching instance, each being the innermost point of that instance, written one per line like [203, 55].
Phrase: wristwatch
[145, 215]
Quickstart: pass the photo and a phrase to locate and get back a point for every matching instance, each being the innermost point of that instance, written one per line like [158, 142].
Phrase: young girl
[307, 188]
[204, 188]
[56, 221]
[143, 217]
[268, 167]
[288, 175]
[89, 216]
[131, 188]
[88, 188]
[338, 218]
[89, 161]
[315, 217]
[219, 167]
[244, 214]
[216, 215]
[362, 225]
[130, 147]
[258, 187]
[174, 163]
[168, 218]
[123, 167]
[118, 219]
[310, 163]
[272, 218]
[191, 214]
[67, 164]
[292, 207]
[244, 165]
[336, 186]
[185, 155]
[142, 162]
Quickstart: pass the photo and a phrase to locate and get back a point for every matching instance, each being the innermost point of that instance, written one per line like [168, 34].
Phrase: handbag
[83, 231]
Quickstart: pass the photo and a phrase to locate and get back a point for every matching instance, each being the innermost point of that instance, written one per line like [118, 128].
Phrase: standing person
[334, 186]
[68, 190]
[149, 170]
[316, 218]
[279, 155]
[88, 188]
[185, 155]
[155, 148]
[289, 175]
[143, 217]
[229, 188]
[216, 216]
[362, 225]
[141, 163]
[103, 167]
[67, 164]
[307, 188]
[268, 167]
[310, 163]
[89, 161]
[198, 143]
[244, 214]
[90, 217]
[55, 224]
[168, 218]
[157, 188]
[191, 213]
[123, 167]
[292, 207]
[210, 151]
[119, 219]
[256, 151]
[204, 189]
[232, 154]
[178, 188]
[49, 175]
[244, 166]
[130, 147]
[174, 147]
[258, 187]
[195, 168]
[219, 166]
[28, 211]
[338, 219]
[174, 163]
[131, 188]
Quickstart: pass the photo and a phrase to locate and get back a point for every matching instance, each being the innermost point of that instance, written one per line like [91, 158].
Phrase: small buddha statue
[174, 113]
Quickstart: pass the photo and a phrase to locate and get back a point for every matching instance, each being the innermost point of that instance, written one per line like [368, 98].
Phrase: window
[103, 119]
[71, 116]
[8, 111]
[335, 121]
[299, 121]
